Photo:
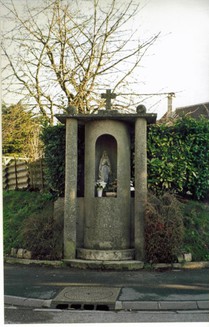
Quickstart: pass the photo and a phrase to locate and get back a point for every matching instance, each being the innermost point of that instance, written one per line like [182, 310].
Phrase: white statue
[104, 168]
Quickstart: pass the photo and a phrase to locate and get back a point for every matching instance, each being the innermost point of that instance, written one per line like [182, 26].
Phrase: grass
[28, 223]
[28, 220]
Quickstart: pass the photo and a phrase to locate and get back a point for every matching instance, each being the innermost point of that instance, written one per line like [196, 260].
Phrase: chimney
[170, 97]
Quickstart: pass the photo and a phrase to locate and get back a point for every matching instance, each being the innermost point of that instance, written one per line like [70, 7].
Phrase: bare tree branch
[61, 55]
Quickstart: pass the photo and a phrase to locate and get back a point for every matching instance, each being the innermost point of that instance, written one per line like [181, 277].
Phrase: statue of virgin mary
[104, 168]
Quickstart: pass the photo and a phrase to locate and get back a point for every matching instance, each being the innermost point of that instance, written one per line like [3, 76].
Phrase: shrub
[53, 138]
[163, 228]
[178, 157]
[196, 236]
[43, 235]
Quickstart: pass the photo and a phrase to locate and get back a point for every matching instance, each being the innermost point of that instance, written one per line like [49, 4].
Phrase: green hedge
[53, 138]
[178, 157]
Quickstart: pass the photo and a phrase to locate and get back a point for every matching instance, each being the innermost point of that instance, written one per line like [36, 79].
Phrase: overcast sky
[179, 60]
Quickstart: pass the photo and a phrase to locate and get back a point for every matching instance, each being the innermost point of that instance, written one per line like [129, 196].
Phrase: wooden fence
[22, 174]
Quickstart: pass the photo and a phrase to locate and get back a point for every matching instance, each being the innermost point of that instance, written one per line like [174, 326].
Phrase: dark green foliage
[53, 138]
[54, 142]
[163, 228]
[178, 157]
[196, 236]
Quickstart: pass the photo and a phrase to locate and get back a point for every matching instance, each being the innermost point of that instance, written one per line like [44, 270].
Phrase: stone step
[105, 265]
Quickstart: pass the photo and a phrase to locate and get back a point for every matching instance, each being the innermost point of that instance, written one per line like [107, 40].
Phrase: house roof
[195, 111]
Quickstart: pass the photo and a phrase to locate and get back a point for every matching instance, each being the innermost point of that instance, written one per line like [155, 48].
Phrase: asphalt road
[47, 282]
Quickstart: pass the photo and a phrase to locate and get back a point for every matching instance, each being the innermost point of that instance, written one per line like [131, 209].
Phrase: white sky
[179, 60]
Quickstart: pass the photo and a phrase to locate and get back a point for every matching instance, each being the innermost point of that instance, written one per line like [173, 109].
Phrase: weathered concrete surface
[70, 211]
[140, 185]
[107, 220]
[105, 265]
[107, 223]
[105, 255]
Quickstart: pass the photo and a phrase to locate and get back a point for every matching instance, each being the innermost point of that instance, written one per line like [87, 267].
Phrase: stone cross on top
[108, 96]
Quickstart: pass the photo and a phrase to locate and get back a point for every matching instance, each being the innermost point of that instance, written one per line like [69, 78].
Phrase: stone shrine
[106, 228]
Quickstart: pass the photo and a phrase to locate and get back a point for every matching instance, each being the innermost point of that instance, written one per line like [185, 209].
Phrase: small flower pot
[99, 192]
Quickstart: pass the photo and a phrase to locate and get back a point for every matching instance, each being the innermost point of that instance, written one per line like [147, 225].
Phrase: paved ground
[176, 292]
[49, 316]
[46, 282]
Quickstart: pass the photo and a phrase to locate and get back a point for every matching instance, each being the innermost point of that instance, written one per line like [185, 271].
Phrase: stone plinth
[105, 255]
[105, 265]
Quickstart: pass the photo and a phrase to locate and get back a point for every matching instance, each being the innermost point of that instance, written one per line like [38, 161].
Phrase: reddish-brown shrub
[163, 228]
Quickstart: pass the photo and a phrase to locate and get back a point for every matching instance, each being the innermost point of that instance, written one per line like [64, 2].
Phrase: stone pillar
[140, 185]
[70, 211]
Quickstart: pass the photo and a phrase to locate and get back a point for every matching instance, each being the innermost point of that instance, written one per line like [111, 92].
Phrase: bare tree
[59, 55]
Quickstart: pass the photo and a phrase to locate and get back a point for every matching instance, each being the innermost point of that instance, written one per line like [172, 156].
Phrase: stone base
[105, 265]
[105, 255]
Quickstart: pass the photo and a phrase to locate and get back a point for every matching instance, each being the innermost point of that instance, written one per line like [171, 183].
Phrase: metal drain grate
[86, 298]
[79, 306]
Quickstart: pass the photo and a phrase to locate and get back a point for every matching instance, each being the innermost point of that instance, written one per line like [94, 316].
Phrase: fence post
[16, 178]
[6, 180]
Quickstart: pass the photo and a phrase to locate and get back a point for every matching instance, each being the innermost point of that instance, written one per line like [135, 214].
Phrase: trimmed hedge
[53, 138]
[178, 157]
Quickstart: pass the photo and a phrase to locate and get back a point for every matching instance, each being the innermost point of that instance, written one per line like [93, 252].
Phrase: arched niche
[106, 145]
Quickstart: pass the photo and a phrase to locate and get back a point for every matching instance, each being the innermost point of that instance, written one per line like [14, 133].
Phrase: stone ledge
[203, 305]
[55, 263]
[183, 265]
[137, 305]
[26, 302]
[161, 305]
[178, 305]
[106, 265]
[119, 305]
[105, 255]
[130, 117]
